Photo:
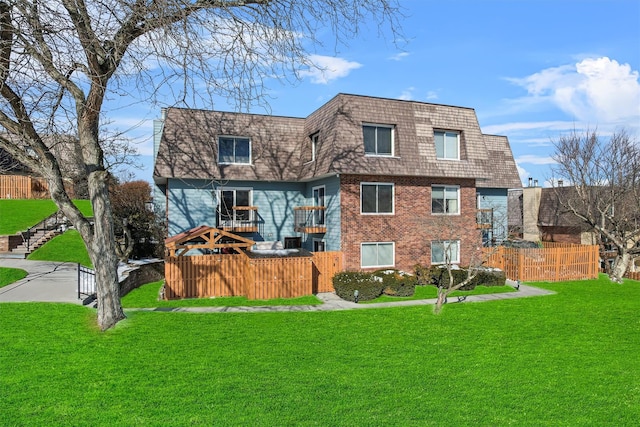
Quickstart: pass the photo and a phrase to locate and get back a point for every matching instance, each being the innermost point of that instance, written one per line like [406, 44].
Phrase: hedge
[439, 276]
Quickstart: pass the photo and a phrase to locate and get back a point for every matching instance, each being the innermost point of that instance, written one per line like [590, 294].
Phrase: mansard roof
[281, 147]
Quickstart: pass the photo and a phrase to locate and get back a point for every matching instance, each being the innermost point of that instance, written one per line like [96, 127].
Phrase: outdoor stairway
[39, 238]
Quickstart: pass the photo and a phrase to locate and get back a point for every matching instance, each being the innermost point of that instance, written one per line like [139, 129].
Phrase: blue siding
[332, 215]
[496, 199]
[275, 202]
[194, 202]
[190, 204]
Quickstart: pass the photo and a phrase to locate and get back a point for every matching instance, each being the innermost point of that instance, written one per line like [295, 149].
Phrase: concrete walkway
[332, 302]
[49, 281]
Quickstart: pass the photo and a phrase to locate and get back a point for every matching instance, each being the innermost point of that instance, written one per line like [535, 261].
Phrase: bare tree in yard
[60, 60]
[446, 250]
[604, 175]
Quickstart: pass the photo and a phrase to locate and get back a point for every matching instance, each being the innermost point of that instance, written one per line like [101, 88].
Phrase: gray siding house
[363, 175]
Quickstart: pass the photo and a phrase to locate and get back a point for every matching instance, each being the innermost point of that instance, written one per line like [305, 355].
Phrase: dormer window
[447, 144]
[314, 145]
[378, 139]
[234, 150]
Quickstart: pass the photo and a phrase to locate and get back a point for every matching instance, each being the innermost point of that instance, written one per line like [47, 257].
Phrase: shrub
[396, 283]
[438, 275]
[368, 286]
[422, 275]
[488, 276]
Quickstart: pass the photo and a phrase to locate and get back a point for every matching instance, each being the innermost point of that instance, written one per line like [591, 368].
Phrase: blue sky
[532, 70]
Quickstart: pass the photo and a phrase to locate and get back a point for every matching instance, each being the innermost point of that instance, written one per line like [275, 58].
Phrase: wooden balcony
[484, 219]
[309, 219]
[240, 219]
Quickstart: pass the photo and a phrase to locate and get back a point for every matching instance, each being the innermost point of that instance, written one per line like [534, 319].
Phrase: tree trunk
[620, 266]
[442, 296]
[102, 251]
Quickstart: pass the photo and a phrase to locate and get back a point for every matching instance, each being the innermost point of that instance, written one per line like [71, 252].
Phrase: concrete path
[332, 302]
[49, 281]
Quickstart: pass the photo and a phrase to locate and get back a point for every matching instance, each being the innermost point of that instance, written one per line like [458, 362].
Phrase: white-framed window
[230, 197]
[445, 251]
[445, 199]
[318, 200]
[376, 198]
[447, 144]
[234, 150]
[377, 254]
[319, 245]
[314, 145]
[378, 139]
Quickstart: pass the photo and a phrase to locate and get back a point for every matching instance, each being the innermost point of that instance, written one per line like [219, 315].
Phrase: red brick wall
[561, 234]
[412, 227]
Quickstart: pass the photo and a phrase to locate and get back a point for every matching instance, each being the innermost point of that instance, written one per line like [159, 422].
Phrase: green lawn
[147, 296]
[18, 215]
[10, 275]
[428, 292]
[569, 359]
[67, 247]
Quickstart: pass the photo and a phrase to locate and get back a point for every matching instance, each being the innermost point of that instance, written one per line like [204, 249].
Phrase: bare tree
[451, 237]
[61, 60]
[604, 175]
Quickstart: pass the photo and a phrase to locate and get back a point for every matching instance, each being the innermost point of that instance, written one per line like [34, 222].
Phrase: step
[14, 255]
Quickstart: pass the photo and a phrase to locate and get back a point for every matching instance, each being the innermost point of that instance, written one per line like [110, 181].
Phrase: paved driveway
[47, 281]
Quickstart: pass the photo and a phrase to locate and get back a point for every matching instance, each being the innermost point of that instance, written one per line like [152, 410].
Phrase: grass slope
[18, 215]
[568, 359]
[11, 275]
[67, 247]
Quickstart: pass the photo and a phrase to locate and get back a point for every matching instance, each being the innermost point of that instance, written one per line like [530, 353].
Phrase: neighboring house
[389, 183]
[64, 148]
[545, 219]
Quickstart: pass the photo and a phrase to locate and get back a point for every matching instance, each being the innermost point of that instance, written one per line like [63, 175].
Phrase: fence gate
[86, 284]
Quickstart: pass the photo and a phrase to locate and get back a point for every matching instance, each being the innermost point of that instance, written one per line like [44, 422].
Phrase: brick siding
[412, 227]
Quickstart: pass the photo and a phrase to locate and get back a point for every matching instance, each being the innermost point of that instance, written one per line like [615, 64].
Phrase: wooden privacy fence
[550, 264]
[633, 275]
[23, 187]
[220, 275]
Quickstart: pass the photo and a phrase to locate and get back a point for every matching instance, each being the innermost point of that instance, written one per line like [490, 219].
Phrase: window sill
[382, 156]
[377, 214]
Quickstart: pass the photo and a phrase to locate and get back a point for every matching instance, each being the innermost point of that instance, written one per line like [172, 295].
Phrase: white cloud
[535, 160]
[328, 68]
[431, 95]
[399, 56]
[507, 128]
[594, 90]
[524, 174]
[407, 94]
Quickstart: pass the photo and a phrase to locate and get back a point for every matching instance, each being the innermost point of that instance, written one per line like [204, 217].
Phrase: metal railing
[86, 283]
[310, 219]
[242, 219]
[55, 221]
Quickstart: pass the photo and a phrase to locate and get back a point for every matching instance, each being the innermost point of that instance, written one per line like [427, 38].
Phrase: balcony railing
[240, 219]
[309, 219]
[484, 218]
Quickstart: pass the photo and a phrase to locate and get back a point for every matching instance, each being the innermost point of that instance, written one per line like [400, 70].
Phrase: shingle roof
[551, 211]
[281, 145]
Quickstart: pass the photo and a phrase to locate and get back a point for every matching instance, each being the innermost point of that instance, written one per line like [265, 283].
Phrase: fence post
[520, 266]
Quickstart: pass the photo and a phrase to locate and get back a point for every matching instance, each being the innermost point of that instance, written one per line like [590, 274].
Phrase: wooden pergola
[205, 237]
